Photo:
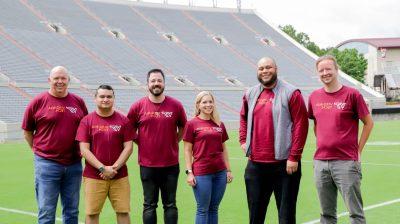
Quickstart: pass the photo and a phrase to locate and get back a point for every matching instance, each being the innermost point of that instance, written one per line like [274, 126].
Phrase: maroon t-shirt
[207, 138]
[262, 142]
[106, 136]
[54, 122]
[156, 125]
[336, 116]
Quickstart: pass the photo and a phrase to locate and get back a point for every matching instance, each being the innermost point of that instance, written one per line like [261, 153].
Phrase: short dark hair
[155, 70]
[104, 86]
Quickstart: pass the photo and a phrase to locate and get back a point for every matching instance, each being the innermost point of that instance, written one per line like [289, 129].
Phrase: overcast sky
[326, 22]
[330, 22]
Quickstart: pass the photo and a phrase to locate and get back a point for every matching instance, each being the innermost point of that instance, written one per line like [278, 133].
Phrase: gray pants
[345, 176]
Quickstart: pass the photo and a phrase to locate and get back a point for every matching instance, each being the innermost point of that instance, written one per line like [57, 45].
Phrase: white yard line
[308, 161]
[381, 164]
[366, 163]
[383, 143]
[378, 150]
[27, 213]
[365, 209]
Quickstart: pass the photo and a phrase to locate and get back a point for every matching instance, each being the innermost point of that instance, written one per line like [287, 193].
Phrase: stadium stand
[13, 105]
[116, 42]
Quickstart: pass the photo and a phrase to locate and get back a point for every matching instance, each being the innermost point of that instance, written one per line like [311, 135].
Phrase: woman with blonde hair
[207, 165]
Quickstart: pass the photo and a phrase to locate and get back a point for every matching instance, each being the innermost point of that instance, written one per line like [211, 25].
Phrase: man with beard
[336, 110]
[273, 131]
[159, 120]
[50, 123]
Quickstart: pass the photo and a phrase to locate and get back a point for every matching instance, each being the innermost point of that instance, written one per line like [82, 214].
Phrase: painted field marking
[383, 143]
[27, 213]
[366, 163]
[381, 164]
[378, 150]
[365, 209]
[308, 161]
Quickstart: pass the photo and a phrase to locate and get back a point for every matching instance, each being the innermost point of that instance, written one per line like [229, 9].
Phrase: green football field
[380, 185]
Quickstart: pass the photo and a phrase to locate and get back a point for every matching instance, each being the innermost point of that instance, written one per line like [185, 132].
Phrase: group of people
[272, 134]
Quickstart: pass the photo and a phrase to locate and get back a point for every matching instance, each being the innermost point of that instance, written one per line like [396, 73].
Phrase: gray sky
[326, 22]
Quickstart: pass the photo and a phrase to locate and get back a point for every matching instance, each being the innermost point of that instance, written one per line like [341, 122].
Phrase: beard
[156, 90]
[269, 82]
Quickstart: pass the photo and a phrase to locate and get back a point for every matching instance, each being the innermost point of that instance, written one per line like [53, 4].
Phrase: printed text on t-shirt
[263, 101]
[157, 114]
[328, 106]
[209, 129]
[61, 109]
[106, 127]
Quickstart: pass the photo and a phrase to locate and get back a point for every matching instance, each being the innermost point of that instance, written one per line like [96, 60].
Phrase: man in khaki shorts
[105, 137]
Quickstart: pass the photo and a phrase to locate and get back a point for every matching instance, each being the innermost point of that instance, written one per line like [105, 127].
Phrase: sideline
[27, 213]
[309, 161]
[383, 143]
[379, 150]
[365, 209]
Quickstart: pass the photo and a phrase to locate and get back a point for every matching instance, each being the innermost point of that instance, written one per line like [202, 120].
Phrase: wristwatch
[101, 169]
[188, 171]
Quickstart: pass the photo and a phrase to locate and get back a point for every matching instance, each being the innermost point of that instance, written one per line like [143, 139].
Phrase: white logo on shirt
[115, 127]
[72, 109]
[340, 105]
[167, 114]
[217, 129]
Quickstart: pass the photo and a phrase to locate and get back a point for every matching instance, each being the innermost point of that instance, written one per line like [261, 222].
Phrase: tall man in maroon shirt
[336, 110]
[105, 139]
[159, 120]
[273, 131]
[50, 123]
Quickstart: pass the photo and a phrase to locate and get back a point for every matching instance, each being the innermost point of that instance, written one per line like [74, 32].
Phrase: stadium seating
[117, 43]
[13, 105]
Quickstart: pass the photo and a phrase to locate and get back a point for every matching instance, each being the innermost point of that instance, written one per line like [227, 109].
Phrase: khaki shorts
[96, 192]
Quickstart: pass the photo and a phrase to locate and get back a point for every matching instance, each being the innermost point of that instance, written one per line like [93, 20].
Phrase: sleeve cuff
[294, 158]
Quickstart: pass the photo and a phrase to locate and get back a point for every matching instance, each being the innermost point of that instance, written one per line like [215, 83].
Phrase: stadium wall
[10, 132]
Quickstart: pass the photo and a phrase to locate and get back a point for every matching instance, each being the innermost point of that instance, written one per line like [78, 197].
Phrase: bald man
[50, 123]
[272, 134]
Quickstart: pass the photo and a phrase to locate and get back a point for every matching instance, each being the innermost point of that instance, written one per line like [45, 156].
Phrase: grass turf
[381, 183]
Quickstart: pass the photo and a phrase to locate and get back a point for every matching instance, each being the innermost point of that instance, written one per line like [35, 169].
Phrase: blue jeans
[208, 192]
[53, 179]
